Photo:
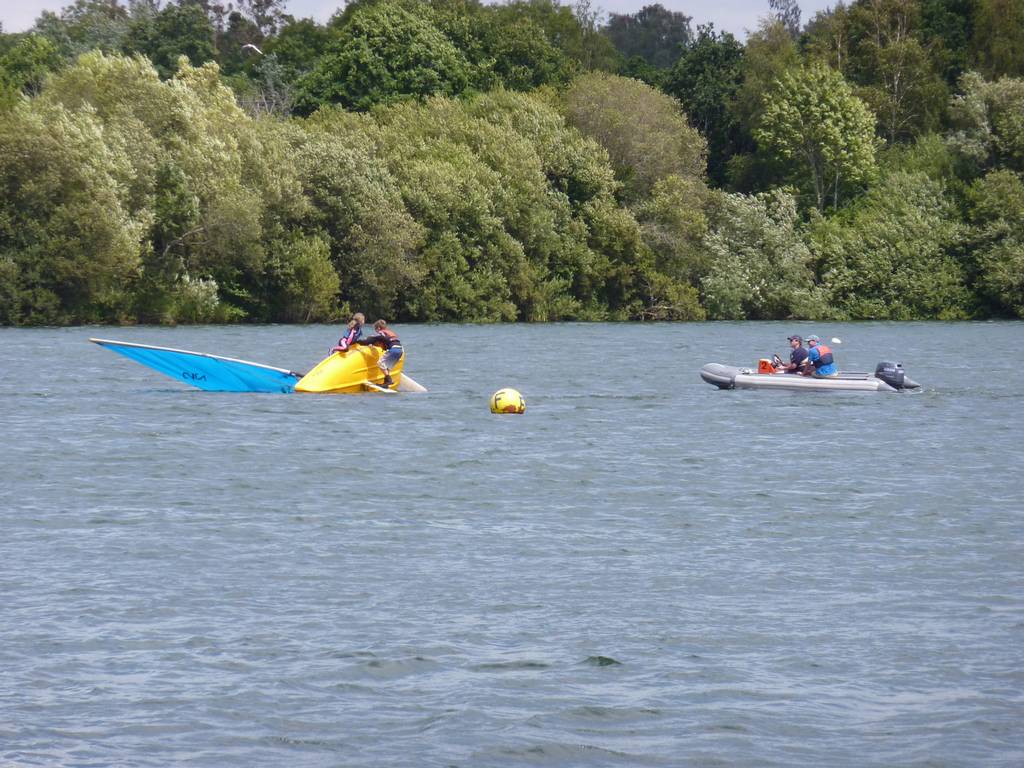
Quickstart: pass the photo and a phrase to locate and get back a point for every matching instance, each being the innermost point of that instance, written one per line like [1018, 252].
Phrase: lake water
[640, 571]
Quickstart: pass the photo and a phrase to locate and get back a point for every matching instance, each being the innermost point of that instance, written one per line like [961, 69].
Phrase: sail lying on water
[209, 372]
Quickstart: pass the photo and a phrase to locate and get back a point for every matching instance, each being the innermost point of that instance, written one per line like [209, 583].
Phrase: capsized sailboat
[353, 371]
[210, 372]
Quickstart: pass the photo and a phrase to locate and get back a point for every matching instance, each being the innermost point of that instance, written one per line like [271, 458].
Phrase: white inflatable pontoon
[888, 377]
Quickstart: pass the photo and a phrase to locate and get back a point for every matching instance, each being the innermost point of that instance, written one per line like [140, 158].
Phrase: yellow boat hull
[349, 372]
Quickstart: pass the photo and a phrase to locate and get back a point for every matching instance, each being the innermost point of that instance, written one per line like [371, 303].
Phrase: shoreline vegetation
[449, 161]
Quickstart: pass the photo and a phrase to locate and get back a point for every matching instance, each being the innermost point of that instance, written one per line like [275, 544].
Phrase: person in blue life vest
[820, 362]
[797, 356]
[387, 340]
[353, 331]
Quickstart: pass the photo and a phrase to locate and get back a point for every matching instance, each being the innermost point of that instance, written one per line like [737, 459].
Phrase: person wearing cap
[820, 362]
[797, 356]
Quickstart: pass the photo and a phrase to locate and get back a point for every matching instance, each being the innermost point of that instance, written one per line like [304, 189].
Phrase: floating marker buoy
[507, 400]
[836, 341]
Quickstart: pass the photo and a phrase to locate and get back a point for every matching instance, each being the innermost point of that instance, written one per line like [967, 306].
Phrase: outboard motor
[894, 375]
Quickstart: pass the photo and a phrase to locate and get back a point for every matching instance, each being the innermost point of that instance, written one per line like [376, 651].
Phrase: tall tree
[946, 34]
[998, 37]
[571, 29]
[644, 130]
[177, 30]
[828, 38]
[893, 69]
[787, 12]
[812, 119]
[705, 79]
[86, 24]
[25, 66]
[988, 121]
[385, 52]
[654, 33]
[889, 256]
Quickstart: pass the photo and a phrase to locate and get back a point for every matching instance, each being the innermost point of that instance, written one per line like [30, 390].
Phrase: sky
[736, 16]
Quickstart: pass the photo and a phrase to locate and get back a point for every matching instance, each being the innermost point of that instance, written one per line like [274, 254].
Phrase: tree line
[433, 160]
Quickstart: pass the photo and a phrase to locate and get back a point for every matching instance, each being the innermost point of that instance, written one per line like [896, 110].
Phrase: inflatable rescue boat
[888, 377]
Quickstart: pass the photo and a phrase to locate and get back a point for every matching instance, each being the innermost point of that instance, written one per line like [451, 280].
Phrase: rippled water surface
[640, 571]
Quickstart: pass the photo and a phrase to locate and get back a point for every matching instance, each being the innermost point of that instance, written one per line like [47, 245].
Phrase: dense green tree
[302, 284]
[893, 69]
[638, 69]
[811, 118]
[770, 52]
[673, 223]
[241, 31]
[787, 13]
[705, 79]
[644, 131]
[69, 249]
[930, 155]
[889, 256]
[524, 59]
[24, 66]
[298, 47]
[384, 53]
[466, 188]
[357, 203]
[997, 241]
[84, 25]
[574, 31]
[654, 33]
[988, 121]
[828, 38]
[945, 31]
[998, 37]
[759, 266]
[177, 30]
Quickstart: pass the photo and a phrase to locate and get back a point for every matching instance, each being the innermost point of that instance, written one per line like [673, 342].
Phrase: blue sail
[209, 372]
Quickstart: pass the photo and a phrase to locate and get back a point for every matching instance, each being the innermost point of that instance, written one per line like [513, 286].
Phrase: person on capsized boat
[797, 356]
[387, 340]
[820, 362]
[352, 333]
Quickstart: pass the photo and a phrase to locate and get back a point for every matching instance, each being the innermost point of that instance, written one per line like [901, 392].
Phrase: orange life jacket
[824, 356]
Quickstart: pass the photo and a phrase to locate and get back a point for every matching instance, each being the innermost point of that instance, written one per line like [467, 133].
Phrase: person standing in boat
[352, 333]
[820, 362]
[797, 356]
[387, 340]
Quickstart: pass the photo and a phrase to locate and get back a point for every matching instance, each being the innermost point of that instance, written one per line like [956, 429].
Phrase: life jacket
[351, 334]
[387, 338]
[824, 357]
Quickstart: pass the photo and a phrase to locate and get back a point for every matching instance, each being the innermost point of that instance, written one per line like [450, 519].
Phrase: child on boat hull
[352, 333]
[387, 340]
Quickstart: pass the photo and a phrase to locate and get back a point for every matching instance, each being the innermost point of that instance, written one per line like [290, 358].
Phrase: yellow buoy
[507, 400]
